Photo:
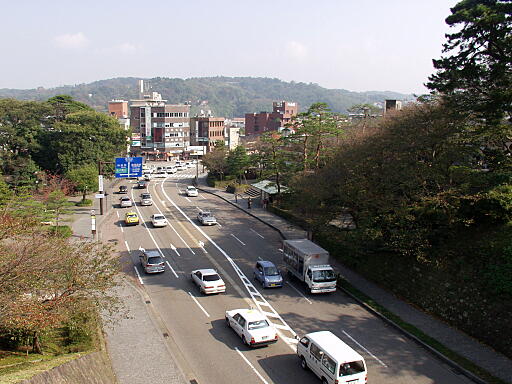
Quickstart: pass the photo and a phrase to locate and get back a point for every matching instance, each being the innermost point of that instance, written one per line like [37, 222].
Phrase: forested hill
[224, 96]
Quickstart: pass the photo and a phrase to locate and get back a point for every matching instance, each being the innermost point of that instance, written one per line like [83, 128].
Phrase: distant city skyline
[366, 45]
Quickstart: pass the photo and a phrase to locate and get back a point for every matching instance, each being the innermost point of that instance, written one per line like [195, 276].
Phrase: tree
[477, 76]
[215, 161]
[45, 279]
[85, 178]
[63, 105]
[82, 138]
[274, 157]
[313, 130]
[57, 205]
[238, 161]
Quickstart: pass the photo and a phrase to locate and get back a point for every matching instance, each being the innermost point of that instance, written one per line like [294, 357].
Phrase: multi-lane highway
[213, 352]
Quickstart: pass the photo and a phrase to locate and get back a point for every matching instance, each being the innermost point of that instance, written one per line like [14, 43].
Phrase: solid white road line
[367, 351]
[252, 366]
[202, 197]
[174, 229]
[154, 241]
[175, 250]
[117, 214]
[256, 233]
[127, 246]
[240, 241]
[299, 292]
[199, 305]
[199, 209]
[173, 271]
[187, 199]
[138, 275]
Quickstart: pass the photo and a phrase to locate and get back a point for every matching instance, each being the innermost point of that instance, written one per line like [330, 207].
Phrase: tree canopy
[476, 74]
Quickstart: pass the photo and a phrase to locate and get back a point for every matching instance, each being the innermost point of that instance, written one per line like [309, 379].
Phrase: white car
[192, 191]
[252, 326]
[145, 199]
[158, 220]
[208, 281]
[160, 174]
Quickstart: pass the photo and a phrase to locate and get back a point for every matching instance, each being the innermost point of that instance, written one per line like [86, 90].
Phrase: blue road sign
[128, 167]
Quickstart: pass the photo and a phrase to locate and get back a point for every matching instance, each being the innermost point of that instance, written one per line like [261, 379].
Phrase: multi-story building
[118, 109]
[282, 113]
[163, 129]
[206, 131]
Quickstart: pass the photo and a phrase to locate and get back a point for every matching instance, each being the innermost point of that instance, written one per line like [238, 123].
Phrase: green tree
[477, 75]
[274, 157]
[57, 205]
[238, 161]
[82, 138]
[63, 105]
[215, 161]
[85, 178]
[314, 129]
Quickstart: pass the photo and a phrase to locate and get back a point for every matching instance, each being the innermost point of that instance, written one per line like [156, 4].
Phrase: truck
[309, 263]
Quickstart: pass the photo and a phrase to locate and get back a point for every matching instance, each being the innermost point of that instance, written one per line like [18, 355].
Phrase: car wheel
[227, 323]
[303, 363]
[324, 381]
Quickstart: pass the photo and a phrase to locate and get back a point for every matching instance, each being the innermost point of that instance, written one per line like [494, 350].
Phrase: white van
[333, 361]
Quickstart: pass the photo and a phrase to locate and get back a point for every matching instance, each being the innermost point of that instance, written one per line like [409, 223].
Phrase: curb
[433, 351]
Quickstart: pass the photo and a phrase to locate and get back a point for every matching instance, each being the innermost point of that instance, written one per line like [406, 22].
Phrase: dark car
[123, 189]
[142, 184]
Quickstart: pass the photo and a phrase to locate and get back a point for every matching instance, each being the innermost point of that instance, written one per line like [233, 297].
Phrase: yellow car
[131, 218]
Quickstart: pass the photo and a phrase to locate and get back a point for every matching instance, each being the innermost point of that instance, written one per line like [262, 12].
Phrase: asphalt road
[213, 352]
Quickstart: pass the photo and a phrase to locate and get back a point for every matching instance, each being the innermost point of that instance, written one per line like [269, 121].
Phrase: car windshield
[214, 277]
[155, 260]
[351, 368]
[125, 198]
[324, 276]
[191, 188]
[257, 324]
[159, 217]
[271, 271]
[146, 196]
[131, 215]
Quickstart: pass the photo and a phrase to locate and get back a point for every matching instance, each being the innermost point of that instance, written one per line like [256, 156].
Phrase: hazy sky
[359, 45]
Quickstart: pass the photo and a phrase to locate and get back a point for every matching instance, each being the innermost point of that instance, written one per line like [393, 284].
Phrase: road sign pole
[100, 177]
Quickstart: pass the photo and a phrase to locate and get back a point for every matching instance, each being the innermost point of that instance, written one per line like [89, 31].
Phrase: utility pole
[100, 182]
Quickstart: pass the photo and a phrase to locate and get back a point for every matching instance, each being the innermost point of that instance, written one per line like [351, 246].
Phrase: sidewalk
[480, 354]
[137, 349]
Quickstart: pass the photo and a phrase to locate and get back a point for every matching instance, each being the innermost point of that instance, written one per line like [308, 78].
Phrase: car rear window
[257, 324]
[125, 199]
[351, 368]
[211, 277]
[130, 215]
[155, 260]
[146, 196]
[159, 217]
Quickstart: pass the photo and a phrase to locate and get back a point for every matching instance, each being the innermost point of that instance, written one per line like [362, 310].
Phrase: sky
[358, 45]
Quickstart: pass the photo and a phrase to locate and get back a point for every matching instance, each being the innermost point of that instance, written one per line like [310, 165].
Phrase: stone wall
[93, 368]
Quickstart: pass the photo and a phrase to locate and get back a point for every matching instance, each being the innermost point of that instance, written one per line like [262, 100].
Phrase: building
[392, 105]
[206, 131]
[232, 137]
[162, 130]
[118, 109]
[282, 113]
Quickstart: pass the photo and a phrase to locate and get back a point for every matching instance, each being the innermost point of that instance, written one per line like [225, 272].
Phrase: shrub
[64, 231]
[84, 203]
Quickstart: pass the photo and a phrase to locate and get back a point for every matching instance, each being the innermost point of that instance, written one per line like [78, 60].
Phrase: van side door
[315, 359]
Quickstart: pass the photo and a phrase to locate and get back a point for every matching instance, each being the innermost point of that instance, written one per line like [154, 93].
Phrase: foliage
[476, 76]
[216, 162]
[80, 139]
[84, 203]
[238, 162]
[63, 105]
[225, 96]
[85, 179]
[313, 130]
[63, 231]
[57, 205]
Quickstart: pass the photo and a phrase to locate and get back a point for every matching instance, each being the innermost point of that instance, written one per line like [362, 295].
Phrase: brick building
[282, 112]
[206, 131]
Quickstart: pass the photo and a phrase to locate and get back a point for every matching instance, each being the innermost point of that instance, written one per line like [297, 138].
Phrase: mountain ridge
[225, 96]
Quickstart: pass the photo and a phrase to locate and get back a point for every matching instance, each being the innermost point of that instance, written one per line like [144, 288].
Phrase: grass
[455, 357]
[23, 367]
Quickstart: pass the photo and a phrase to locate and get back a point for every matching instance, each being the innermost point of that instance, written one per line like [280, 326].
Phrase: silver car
[151, 261]
[125, 202]
[145, 199]
[206, 218]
